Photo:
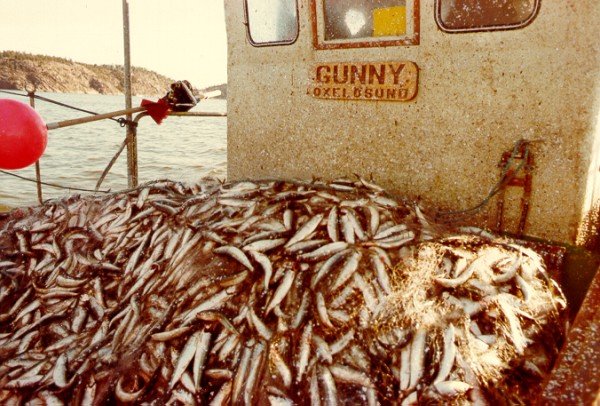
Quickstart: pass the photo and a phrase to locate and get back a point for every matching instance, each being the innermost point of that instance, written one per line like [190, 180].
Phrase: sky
[181, 39]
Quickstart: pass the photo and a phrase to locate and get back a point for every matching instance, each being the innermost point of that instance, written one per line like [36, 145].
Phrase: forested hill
[52, 74]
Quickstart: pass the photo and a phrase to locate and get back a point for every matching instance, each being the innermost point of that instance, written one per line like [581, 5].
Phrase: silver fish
[305, 230]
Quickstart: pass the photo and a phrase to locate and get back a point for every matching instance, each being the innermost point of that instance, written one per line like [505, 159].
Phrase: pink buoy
[23, 135]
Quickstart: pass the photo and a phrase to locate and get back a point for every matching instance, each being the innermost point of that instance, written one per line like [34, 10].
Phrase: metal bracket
[520, 177]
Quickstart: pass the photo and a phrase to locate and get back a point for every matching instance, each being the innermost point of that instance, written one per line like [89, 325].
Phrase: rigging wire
[118, 120]
[54, 184]
[110, 164]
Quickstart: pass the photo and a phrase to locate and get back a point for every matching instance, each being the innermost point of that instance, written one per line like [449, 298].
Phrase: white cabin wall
[478, 94]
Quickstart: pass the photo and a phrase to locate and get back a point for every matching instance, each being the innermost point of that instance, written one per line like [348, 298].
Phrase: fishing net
[267, 293]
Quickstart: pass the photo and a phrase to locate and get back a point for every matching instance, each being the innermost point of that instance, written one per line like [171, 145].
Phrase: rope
[505, 178]
[53, 184]
[121, 121]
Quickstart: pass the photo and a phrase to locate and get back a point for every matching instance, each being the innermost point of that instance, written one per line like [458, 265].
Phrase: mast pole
[132, 166]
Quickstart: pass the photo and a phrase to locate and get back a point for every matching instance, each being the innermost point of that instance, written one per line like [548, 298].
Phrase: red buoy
[23, 135]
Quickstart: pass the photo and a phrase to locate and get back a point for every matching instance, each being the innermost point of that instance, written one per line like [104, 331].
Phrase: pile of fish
[267, 292]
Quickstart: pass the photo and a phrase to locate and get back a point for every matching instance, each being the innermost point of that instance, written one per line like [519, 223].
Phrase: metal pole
[38, 170]
[97, 117]
[132, 166]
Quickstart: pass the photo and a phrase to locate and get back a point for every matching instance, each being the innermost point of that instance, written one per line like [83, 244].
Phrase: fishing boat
[437, 100]
[484, 113]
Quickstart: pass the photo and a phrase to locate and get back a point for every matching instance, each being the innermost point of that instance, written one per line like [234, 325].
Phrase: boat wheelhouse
[429, 97]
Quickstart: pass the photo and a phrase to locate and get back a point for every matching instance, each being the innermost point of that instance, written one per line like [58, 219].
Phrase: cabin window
[484, 15]
[365, 23]
[272, 22]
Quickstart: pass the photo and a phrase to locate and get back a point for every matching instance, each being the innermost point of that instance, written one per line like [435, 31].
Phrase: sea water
[181, 148]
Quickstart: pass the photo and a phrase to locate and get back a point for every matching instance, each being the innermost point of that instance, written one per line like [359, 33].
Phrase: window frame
[440, 24]
[319, 44]
[270, 43]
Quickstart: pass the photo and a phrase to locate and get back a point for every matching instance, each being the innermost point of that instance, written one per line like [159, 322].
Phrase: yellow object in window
[389, 21]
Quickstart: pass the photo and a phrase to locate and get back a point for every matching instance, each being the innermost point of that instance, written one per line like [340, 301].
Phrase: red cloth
[157, 110]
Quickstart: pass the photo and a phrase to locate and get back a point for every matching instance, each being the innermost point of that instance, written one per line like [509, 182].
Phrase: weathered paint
[478, 94]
